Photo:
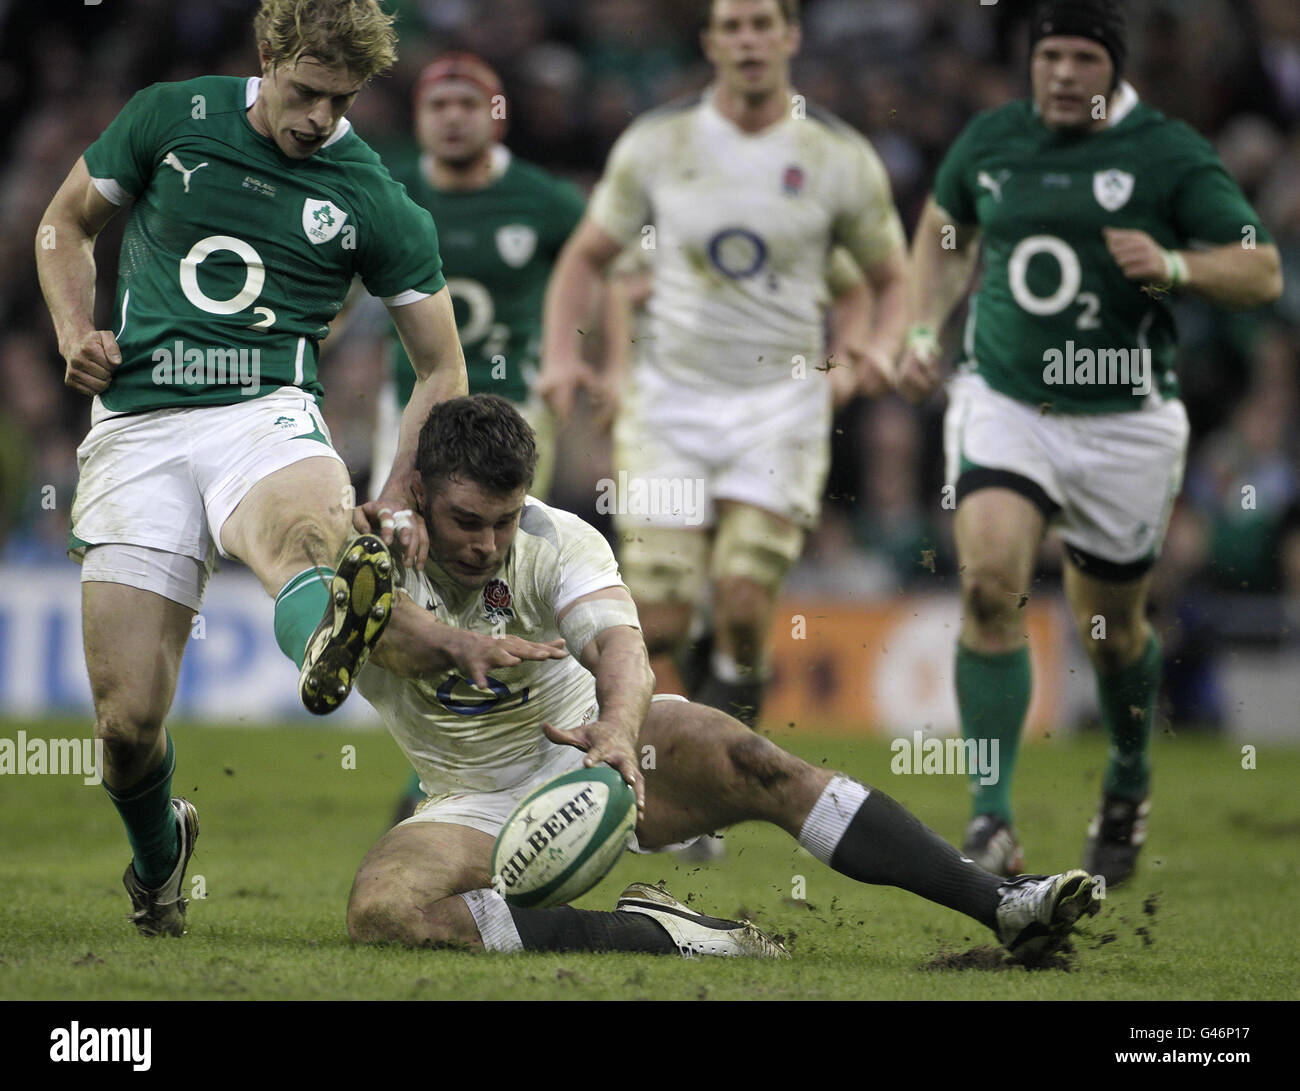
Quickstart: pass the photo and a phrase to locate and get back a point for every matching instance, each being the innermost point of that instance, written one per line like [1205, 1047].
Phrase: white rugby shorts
[168, 479]
[767, 446]
[1112, 477]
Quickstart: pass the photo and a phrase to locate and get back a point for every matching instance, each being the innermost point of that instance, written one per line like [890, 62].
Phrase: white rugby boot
[696, 933]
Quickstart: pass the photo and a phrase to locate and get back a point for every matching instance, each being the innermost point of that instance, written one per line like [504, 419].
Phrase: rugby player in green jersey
[1090, 209]
[502, 224]
[254, 205]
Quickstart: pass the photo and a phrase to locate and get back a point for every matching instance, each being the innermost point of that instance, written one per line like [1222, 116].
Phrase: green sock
[1128, 705]
[146, 810]
[299, 607]
[993, 697]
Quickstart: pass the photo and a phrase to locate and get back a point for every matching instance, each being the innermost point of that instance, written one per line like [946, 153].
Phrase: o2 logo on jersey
[471, 702]
[737, 252]
[1067, 293]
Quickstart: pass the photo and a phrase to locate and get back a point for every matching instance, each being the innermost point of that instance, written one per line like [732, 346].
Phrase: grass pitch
[1210, 915]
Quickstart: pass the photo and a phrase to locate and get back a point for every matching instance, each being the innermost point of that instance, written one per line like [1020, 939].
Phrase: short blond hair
[353, 34]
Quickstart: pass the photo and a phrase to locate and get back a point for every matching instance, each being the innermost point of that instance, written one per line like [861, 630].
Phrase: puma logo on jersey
[994, 185]
[171, 160]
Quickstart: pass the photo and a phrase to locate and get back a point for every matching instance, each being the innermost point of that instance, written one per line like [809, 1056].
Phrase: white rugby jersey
[739, 226]
[463, 739]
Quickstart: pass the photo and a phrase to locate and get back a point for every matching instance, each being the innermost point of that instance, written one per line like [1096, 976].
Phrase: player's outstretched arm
[65, 264]
[427, 328]
[1231, 276]
[942, 261]
[616, 655]
[417, 645]
[571, 297]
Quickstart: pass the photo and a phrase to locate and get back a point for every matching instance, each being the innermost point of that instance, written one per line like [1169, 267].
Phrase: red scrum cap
[468, 67]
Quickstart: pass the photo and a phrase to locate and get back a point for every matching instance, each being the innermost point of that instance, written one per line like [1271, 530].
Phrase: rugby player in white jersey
[738, 196]
[501, 562]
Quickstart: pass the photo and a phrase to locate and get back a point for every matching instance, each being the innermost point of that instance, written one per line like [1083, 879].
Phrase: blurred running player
[738, 195]
[255, 204]
[1092, 208]
[502, 223]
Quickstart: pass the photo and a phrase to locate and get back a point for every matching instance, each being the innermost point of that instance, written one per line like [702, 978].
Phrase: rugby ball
[563, 838]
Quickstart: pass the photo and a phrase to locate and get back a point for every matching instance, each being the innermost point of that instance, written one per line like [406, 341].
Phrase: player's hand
[1139, 256]
[918, 373]
[558, 384]
[475, 654]
[603, 390]
[844, 371]
[875, 374]
[608, 743]
[395, 517]
[91, 363]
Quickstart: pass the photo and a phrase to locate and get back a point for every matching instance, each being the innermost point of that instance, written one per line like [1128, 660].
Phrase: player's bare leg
[665, 626]
[289, 529]
[296, 518]
[997, 532]
[710, 771]
[406, 888]
[427, 884]
[665, 568]
[134, 642]
[753, 550]
[1125, 654]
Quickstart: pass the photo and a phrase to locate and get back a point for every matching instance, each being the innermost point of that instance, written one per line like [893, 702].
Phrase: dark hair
[789, 11]
[481, 439]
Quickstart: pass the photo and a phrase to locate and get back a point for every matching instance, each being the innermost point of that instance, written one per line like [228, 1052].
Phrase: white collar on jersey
[250, 96]
[1126, 98]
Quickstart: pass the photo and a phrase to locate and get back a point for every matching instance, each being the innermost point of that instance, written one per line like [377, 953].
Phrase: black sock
[564, 928]
[876, 840]
[739, 699]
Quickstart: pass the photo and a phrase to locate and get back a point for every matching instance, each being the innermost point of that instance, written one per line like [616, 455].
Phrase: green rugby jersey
[235, 256]
[498, 246]
[1051, 292]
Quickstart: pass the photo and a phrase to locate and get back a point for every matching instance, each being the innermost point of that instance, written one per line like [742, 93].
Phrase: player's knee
[383, 910]
[754, 549]
[989, 600]
[1116, 645]
[314, 539]
[127, 731]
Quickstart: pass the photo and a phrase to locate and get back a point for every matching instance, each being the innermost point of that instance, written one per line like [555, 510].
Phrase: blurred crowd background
[906, 73]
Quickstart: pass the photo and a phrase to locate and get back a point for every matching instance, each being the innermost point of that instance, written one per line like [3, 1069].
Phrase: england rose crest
[496, 601]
